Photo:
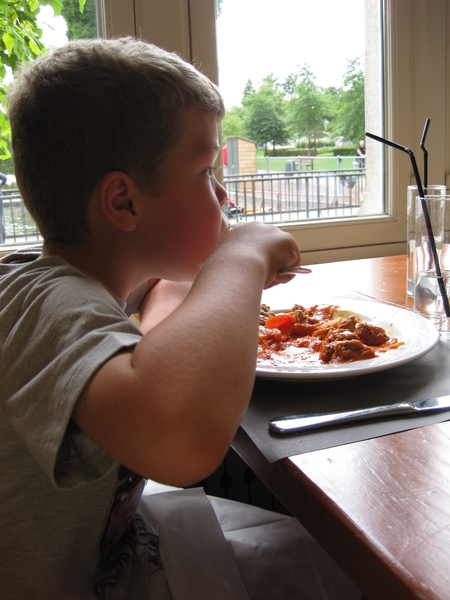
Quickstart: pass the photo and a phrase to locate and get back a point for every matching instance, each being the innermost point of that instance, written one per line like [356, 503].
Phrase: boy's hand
[266, 245]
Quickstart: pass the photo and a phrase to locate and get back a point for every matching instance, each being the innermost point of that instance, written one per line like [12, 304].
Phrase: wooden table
[380, 507]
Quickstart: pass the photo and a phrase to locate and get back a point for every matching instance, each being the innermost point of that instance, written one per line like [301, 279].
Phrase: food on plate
[320, 334]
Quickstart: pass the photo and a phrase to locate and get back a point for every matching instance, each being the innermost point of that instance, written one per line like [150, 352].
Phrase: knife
[295, 423]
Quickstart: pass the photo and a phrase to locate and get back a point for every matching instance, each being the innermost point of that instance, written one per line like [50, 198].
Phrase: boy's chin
[186, 277]
[226, 226]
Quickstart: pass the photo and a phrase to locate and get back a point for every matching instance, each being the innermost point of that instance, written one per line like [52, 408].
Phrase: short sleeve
[61, 327]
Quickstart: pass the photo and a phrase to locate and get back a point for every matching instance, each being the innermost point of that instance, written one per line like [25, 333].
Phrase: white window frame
[416, 86]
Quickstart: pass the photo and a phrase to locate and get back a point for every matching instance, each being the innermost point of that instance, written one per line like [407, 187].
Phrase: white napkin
[197, 559]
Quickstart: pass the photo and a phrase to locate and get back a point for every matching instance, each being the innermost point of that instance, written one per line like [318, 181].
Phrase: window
[291, 59]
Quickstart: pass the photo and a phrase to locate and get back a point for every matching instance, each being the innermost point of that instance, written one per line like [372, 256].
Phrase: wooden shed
[241, 156]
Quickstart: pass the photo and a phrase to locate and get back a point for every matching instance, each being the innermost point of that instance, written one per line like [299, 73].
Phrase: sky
[54, 28]
[258, 37]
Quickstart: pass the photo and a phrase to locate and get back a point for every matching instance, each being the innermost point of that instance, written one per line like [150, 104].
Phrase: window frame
[415, 51]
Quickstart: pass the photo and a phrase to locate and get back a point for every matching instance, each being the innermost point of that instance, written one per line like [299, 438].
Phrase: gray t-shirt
[67, 524]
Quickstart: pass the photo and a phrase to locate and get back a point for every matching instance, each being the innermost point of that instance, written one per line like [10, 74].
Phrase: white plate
[418, 334]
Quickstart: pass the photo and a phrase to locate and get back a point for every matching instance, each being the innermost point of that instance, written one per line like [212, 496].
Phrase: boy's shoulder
[28, 279]
[53, 313]
[19, 256]
[32, 260]
[26, 267]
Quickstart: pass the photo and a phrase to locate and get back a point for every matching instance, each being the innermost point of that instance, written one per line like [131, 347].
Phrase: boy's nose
[221, 193]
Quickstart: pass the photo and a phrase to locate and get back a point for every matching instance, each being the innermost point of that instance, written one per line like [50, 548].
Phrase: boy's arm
[170, 408]
[162, 299]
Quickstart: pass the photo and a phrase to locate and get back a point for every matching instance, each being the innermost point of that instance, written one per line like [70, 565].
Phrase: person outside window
[361, 154]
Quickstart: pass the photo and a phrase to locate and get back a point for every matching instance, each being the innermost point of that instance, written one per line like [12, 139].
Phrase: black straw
[425, 154]
[437, 266]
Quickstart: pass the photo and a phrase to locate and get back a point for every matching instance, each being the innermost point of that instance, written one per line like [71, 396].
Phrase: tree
[81, 20]
[232, 123]
[331, 97]
[350, 108]
[306, 109]
[289, 85]
[20, 42]
[249, 89]
[263, 114]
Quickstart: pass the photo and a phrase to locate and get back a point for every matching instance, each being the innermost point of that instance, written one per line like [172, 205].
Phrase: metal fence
[16, 224]
[295, 196]
[276, 197]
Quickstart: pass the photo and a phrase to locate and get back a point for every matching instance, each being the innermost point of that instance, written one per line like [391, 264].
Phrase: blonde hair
[92, 107]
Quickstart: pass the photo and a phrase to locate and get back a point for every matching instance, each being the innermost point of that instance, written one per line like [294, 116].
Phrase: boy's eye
[210, 171]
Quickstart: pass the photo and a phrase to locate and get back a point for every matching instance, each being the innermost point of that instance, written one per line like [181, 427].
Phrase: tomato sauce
[316, 336]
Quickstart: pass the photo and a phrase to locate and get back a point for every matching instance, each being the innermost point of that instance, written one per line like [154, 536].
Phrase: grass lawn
[319, 163]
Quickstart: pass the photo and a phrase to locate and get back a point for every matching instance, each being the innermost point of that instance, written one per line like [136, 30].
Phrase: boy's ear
[117, 194]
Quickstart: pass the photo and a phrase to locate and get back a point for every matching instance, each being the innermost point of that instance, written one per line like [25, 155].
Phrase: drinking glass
[428, 300]
[432, 190]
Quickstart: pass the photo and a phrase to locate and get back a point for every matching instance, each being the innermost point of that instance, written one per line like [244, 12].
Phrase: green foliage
[81, 19]
[307, 108]
[300, 112]
[289, 152]
[232, 124]
[20, 42]
[249, 89]
[349, 105]
[325, 150]
[263, 114]
[345, 151]
[6, 166]
[289, 85]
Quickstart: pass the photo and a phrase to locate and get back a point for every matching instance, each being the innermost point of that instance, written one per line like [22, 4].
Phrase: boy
[130, 213]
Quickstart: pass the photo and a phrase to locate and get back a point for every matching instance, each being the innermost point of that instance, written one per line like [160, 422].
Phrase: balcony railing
[295, 196]
[16, 224]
